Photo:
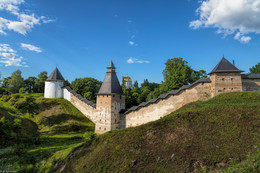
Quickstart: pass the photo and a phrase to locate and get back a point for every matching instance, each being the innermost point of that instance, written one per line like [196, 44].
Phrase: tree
[87, 87]
[136, 84]
[28, 106]
[40, 81]
[29, 84]
[255, 69]
[145, 83]
[15, 82]
[177, 73]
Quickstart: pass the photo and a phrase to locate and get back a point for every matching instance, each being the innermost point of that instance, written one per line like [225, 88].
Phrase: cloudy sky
[80, 37]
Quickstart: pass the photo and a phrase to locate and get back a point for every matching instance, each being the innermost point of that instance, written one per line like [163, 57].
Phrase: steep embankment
[36, 144]
[208, 135]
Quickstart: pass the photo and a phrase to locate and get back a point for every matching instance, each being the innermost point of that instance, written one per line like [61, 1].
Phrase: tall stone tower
[110, 101]
[225, 77]
[53, 85]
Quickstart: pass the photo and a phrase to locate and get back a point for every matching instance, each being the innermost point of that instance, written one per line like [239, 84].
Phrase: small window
[99, 128]
[113, 95]
[115, 120]
[232, 78]
[224, 88]
[120, 96]
[223, 79]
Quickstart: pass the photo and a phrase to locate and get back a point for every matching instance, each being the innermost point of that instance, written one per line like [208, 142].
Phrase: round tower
[53, 85]
[110, 101]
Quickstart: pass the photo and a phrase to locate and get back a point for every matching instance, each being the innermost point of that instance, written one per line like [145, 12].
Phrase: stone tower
[110, 101]
[53, 85]
[225, 77]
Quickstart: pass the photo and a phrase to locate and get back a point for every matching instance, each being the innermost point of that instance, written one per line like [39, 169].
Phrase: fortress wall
[163, 107]
[87, 110]
[66, 94]
[251, 84]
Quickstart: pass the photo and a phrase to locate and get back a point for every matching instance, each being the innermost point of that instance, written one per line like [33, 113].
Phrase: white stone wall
[66, 94]
[53, 89]
[166, 106]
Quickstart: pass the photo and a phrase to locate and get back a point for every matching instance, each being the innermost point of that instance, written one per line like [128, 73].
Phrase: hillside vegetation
[222, 133]
[38, 143]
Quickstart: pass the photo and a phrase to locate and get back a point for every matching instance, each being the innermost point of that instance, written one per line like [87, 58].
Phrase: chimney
[233, 62]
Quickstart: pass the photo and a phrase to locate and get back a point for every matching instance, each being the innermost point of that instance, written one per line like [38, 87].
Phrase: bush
[21, 90]
[6, 98]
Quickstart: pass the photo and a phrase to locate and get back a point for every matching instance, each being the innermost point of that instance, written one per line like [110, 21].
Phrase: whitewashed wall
[53, 89]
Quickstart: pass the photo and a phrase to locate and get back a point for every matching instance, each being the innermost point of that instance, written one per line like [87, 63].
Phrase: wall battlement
[109, 112]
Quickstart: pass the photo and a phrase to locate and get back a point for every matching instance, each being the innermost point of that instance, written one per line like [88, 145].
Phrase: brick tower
[110, 101]
[225, 77]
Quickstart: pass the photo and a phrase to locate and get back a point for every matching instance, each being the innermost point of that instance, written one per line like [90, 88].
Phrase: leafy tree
[28, 106]
[177, 73]
[255, 69]
[40, 81]
[145, 83]
[87, 87]
[29, 84]
[136, 84]
[15, 82]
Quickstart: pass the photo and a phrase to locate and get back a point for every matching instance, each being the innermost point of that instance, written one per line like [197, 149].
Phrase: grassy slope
[200, 136]
[61, 128]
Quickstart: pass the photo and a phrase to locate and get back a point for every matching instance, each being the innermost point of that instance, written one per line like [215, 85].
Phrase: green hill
[38, 143]
[219, 134]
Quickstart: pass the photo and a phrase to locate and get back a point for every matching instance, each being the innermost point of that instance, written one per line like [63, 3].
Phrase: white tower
[54, 84]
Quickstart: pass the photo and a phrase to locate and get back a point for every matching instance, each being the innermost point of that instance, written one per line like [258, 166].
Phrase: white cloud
[131, 43]
[132, 60]
[24, 22]
[31, 47]
[8, 57]
[230, 17]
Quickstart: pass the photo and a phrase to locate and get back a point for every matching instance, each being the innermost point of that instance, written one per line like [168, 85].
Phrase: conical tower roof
[110, 84]
[225, 66]
[55, 76]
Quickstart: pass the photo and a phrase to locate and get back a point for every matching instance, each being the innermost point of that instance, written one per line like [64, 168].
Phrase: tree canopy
[255, 69]
[87, 87]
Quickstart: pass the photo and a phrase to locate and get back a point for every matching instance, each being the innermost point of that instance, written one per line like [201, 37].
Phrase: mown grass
[200, 137]
[58, 128]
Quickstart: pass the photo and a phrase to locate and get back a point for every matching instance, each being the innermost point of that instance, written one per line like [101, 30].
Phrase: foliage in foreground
[201, 136]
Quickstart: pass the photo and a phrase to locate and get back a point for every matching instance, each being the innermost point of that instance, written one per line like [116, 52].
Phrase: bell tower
[110, 101]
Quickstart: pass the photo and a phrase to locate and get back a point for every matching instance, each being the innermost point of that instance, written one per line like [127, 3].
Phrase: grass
[218, 135]
[58, 128]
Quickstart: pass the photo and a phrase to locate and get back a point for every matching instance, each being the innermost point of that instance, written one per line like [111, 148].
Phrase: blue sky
[80, 37]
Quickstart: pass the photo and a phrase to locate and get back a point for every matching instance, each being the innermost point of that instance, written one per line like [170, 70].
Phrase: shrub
[6, 98]
[21, 90]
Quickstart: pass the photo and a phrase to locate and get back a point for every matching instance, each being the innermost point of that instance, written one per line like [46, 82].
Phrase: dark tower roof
[55, 76]
[110, 84]
[225, 66]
